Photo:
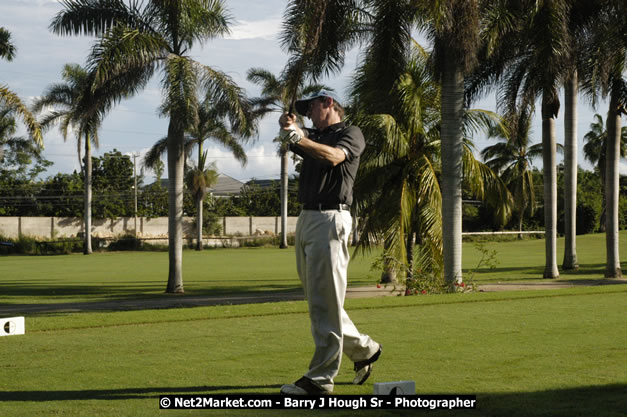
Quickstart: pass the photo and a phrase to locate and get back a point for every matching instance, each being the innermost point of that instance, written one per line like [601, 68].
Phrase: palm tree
[397, 188]
[214, 123]
[594, 150]
[10, 99]
[605, 56]
[7, 49]
[276, 97]
[581, 20]
[512, 158]
[453, 27]
[530, 58]
[570, 173]
[77, 107]
[137, 39]
[595, 145]
[316, 35]
[198, 179]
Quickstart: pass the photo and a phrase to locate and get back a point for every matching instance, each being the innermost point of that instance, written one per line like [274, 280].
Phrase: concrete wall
[249, 226]
[65, 227]
[9, 227]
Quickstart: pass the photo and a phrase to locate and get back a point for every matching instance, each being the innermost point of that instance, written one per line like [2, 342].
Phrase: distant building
[225, 187]
[264, 183]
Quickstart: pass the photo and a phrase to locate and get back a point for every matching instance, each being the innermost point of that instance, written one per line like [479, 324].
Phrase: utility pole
[135, 187]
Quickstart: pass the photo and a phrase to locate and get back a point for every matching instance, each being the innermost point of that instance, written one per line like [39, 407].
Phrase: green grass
[123, 275]
[524, 260]
[548, 353]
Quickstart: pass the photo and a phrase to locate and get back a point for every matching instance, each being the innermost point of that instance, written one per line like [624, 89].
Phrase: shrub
[27, 245]
[622, 213]
[587, 218]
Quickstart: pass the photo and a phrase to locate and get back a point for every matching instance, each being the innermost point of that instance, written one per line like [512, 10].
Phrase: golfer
[330, 152]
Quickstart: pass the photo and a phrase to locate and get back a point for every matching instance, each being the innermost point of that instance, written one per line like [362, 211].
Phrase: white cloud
[263, 162]
[264, 29]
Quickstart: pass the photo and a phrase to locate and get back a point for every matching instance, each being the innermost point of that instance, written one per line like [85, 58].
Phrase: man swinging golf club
[330, 152]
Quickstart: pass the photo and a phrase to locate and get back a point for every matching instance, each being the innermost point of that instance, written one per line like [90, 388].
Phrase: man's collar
[334, 127]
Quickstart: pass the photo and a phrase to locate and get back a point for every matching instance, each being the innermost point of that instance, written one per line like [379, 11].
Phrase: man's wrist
[291, 136]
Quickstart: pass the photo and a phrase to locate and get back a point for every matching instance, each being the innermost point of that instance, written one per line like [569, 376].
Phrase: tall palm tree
[529, 56]
[139, 38]
[595, 146]
[512, 158]
[198, 179]
[453, 27]
[570, 172]
[10, 99]
[397, 188]
[276, 97]
[75, 106]
[606, 62]
[216, 124]
[213, 124]
[580, 21]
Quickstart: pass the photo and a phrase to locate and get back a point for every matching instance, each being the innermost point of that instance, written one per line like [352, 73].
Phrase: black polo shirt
[325, 184]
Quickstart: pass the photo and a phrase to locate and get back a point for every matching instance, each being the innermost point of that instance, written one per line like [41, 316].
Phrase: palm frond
[95, 17]
[477, 120]
[154, 154]
[7, 49]
[225, 92]
[180, 81]
[123, 49]
[487, 186]
[12, 101]
[199, 21]
[57, 95]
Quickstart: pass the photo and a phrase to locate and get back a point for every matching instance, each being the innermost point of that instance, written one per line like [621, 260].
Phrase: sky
[134, 124]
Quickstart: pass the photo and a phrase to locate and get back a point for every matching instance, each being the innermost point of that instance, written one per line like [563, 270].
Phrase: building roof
[226, 186]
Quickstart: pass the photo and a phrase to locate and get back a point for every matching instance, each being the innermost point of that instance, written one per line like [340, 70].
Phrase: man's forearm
[323, 153]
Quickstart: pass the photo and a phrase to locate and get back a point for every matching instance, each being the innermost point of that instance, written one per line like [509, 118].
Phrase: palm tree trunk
[388, 275]
[176, 161]
[549, 112]
[355, 240]
[570, 173]
[199, 204]
[411, 240]
[612, 156]
[452, 111]
[87, 167]
[284, 186]
[199, 213]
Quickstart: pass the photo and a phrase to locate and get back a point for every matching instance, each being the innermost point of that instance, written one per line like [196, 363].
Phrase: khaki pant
[322, 261]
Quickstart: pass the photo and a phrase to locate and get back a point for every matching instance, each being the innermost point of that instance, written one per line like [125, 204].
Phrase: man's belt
[322, 207]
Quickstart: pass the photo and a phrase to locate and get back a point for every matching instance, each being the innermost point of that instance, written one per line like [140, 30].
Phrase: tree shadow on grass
[598, 401]
[133, 302]
[127, 393]
[535, 273]
[38, 289]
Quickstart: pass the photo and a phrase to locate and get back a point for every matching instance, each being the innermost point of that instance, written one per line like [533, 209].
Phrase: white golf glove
[290, 135]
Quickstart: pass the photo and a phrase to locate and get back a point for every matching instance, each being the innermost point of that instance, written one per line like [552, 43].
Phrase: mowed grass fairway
[541, 353]
[123, 275]
[523, 353]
